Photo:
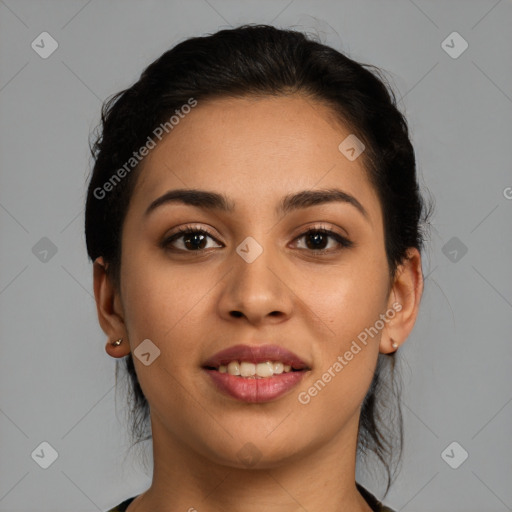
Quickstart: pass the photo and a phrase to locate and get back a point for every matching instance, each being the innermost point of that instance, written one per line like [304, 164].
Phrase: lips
[260, 389]
[256, 354]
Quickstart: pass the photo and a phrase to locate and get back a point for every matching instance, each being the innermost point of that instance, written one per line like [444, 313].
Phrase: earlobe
[113, 349]
[404, 298]
[110, 314]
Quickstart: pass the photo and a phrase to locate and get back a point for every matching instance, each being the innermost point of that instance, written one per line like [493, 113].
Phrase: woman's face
[196, 296]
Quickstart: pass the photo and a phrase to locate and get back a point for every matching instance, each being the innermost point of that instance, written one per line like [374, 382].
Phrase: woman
[255, 224]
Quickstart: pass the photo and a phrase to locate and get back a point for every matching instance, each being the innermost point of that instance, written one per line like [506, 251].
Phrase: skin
[255, 151]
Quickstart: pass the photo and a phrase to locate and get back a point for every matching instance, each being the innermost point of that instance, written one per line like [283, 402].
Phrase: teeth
[233, 368]
[265, 369]
[278, 367]
[246, 369]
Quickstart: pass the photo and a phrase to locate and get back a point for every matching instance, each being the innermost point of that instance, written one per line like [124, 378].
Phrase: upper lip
[256, 354]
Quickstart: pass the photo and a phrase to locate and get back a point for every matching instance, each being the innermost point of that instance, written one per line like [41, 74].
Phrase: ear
[110, 310]
[404, 299]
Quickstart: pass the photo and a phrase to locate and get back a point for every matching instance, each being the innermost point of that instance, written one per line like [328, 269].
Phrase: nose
[256, 290]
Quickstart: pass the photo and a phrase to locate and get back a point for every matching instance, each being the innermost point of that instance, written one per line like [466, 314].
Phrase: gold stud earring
[116, 343]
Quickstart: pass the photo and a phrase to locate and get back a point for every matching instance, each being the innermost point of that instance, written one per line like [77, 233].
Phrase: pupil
[316, 237]
[194, 244]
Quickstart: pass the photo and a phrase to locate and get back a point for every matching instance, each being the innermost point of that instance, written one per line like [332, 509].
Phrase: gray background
[57, 382]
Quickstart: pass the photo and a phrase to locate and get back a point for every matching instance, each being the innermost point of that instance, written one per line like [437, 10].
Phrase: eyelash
[344, 243]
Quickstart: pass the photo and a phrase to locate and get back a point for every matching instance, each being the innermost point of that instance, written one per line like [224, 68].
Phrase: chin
[256, 452]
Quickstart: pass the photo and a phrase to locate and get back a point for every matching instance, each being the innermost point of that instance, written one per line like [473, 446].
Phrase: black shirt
[372, 501]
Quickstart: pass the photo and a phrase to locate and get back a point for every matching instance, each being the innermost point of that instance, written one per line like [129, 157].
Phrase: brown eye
[192, 240]
[316, 239]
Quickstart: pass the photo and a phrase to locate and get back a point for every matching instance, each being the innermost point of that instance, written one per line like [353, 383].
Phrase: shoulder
[122, 506]
[372, 501]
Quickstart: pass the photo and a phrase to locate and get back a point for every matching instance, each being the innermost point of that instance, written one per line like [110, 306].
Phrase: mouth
[255, 374]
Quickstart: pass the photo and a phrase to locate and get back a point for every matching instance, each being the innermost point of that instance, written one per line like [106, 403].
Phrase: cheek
[165, 304]
[347, 300]
[168, 308]
[349, 304]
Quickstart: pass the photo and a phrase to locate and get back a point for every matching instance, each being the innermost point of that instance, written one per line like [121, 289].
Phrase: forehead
[255, 150]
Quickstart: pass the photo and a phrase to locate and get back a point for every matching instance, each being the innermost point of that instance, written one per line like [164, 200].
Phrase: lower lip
[255, 390]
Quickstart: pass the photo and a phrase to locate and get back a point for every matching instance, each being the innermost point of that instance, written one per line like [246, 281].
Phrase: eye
[195, 240]
[192, 239]
[317, 238]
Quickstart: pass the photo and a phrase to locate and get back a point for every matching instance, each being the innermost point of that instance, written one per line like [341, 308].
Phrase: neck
[320, 478]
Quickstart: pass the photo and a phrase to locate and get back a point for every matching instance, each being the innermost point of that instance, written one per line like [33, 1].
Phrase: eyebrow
[215, 201]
